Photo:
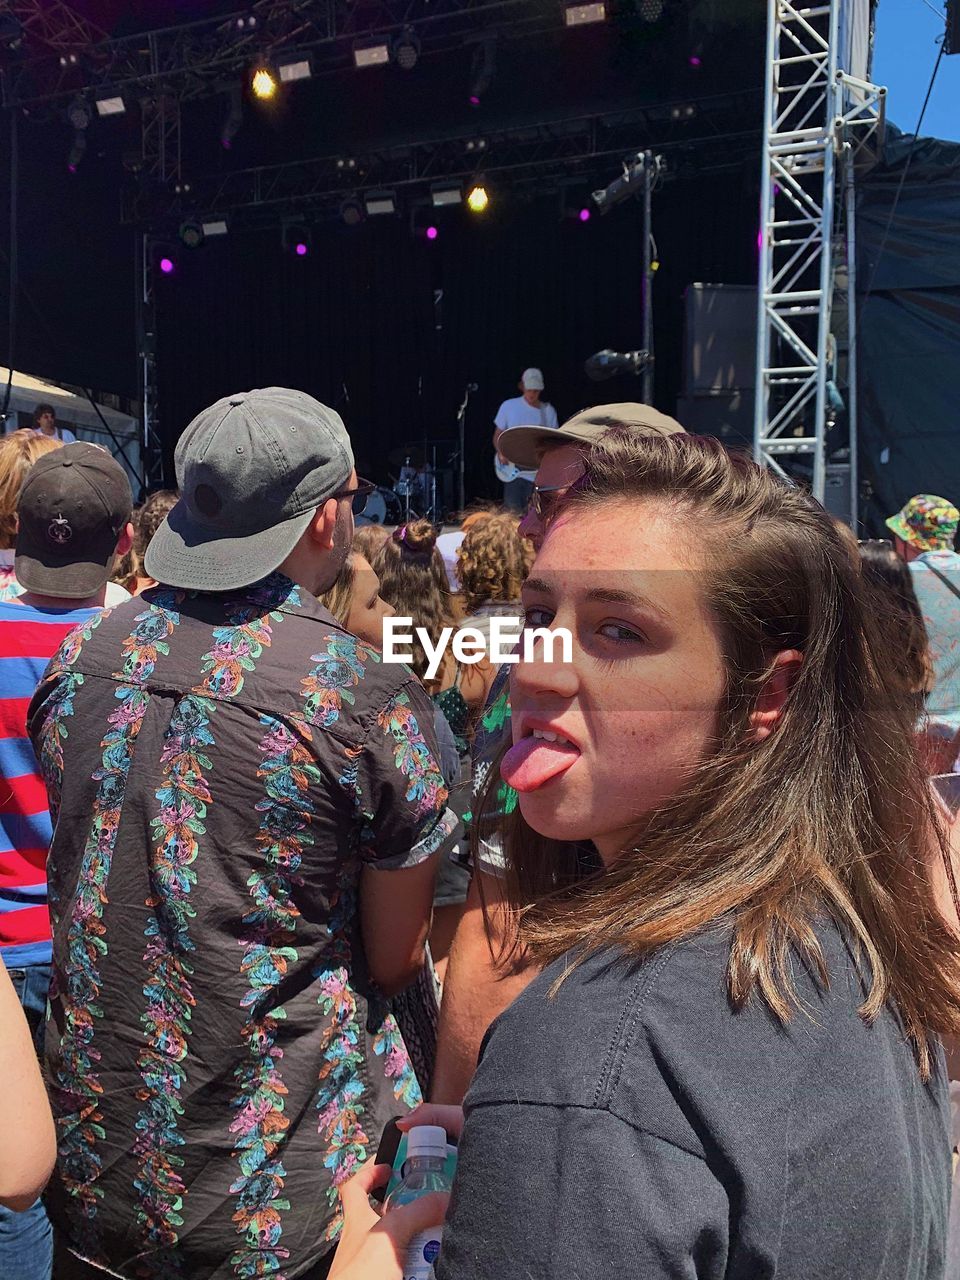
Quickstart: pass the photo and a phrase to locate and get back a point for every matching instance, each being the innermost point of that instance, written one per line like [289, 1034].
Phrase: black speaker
[952, 40]
[728, 416]
[721, 339]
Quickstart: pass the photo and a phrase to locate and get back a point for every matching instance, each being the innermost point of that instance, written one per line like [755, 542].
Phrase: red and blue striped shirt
[29, 637]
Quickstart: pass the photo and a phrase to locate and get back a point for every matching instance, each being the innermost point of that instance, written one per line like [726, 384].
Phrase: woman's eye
[620, 633]
[533, 617]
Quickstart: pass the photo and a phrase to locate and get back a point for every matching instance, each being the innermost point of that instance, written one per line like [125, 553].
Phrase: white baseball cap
[532, 380]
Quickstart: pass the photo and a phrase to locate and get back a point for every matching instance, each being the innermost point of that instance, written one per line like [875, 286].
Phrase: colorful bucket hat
[927, 522]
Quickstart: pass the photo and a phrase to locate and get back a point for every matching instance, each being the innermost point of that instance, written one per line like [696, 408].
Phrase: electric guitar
[506, 471]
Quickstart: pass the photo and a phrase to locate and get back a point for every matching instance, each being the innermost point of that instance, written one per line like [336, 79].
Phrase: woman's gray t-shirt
[636, 1125]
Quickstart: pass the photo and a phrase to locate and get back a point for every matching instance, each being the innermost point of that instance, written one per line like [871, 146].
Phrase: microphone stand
[461, 430]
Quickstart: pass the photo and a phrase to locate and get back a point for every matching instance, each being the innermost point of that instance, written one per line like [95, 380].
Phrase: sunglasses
[544, 498]
[357, 496]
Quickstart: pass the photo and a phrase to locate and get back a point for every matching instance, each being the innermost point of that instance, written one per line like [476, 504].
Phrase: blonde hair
[493, 561]
[339, 597]
[18, 452]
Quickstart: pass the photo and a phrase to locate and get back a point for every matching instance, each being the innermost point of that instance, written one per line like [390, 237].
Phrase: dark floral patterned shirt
[220, 769]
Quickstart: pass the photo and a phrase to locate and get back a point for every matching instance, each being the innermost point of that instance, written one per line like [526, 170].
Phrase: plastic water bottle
[423, 1172]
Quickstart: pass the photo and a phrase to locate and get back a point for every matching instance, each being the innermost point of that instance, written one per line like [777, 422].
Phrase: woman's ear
[765, 716]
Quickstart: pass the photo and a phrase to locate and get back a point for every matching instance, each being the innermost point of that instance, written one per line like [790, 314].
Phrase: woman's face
[367, 610]
[634, 711]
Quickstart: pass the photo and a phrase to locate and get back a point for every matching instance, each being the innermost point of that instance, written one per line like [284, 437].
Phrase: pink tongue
[533, 761]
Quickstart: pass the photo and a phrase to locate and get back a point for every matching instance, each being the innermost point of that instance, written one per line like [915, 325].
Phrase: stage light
[651, 10]
[584, 215]
[77, 151]
[214, 226]
[695, 61]
[351, 211]
[406, 50]
[295, 66]
[191, 234]
[482, 69]
[78, 113]
[295, 237]
[380, 202]
[683, 111]
[109, 104]
[167, 266]
[431, 233]
[446, 193]
[581, 15]
[264, 83]
[477, 198]
[371, 53]
[247, 23]
[233, 119]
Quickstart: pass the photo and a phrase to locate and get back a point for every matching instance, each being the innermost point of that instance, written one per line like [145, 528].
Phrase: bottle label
[422, 1252]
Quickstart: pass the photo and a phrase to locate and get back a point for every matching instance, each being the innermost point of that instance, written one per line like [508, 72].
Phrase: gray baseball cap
[252, 469]
[524, 446]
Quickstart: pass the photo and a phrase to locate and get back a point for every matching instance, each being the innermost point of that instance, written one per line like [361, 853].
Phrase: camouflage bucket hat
[927, 522]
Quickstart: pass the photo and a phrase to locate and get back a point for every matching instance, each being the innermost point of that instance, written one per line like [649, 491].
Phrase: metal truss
[191, 60]
[817, 121]
[547, 155]
[146, 318]
[53, 24]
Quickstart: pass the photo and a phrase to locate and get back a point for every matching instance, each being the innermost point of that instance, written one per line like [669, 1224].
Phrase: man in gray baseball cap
[250, 808]
[253, 470]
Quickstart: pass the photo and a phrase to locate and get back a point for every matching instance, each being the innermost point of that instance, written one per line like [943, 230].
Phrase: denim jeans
[26, 1239]
[516, 494]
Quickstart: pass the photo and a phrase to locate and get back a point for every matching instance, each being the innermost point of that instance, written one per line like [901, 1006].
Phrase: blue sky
[905, 51]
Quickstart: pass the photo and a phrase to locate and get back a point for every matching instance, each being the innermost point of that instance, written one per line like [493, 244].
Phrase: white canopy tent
[76, 412]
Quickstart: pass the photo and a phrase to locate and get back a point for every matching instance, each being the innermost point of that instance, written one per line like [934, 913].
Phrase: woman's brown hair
[493, 561]
[414, 581]
[828, 816]
[18, 452]
[901, 633]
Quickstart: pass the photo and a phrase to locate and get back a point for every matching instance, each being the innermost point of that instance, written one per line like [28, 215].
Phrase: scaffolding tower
[818, 121]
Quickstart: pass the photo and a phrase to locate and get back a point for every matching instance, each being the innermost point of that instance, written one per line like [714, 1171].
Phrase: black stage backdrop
[389, 329]
[909, 283]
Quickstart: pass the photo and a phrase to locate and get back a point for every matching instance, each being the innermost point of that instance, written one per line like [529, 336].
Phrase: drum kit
[419, 486]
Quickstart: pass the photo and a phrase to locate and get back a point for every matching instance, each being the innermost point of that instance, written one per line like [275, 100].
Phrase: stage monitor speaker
[836, 491]
[727, 416]
[720, 338]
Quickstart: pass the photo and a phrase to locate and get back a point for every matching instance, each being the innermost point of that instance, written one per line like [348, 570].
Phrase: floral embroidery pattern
[59, 707]
[330, 684]
[412, 755]
[388, 1044]
[288, 770]
[77, 1079]
[184, 797]
[339, 1101]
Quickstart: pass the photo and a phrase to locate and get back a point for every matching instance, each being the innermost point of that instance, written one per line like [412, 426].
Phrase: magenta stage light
[584, 215]
[300, 249]
[432, 233]
[166, 266]
[474, 100]
[695, 60]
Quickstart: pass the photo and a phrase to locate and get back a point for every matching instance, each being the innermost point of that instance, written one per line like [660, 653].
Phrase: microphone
[607, 364]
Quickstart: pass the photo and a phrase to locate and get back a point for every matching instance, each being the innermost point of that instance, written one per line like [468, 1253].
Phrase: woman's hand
[371, 1247]
[447, 1117]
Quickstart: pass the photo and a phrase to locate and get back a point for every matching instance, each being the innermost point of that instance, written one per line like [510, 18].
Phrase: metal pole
[826, 265]
[761, 403]
[851, 210]
[647, 342]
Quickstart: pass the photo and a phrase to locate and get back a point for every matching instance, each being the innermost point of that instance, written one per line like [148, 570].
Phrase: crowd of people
[661, 927]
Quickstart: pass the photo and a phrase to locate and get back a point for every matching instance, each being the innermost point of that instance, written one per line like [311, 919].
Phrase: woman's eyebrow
[538, 585]
[615, 595]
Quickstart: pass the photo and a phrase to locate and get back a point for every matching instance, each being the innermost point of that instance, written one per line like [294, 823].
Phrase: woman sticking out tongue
[729, 1067]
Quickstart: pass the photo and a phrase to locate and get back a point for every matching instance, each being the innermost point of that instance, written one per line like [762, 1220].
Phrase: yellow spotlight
[477, 198]
[264, 84]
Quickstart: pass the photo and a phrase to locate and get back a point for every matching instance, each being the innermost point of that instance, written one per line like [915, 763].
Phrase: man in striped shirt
[73, 515]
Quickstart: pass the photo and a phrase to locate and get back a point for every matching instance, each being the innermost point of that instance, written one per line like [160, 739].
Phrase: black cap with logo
[73, 506]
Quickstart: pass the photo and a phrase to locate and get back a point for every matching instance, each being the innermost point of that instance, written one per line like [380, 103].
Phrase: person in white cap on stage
[524, 410]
